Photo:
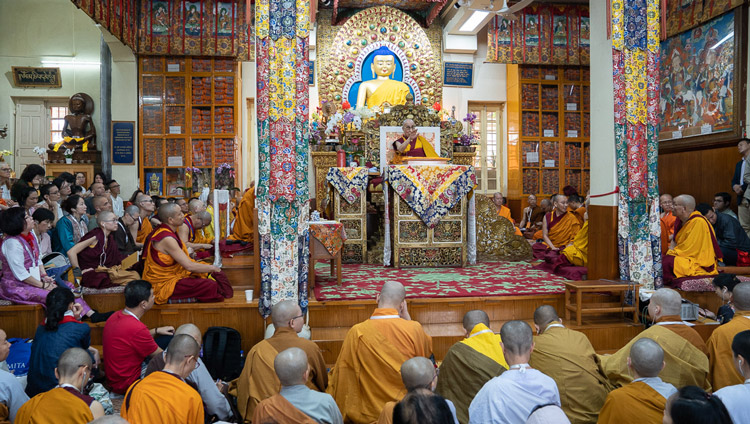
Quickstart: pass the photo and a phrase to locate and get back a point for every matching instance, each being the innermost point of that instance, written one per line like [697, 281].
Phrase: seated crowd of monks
[385, 372]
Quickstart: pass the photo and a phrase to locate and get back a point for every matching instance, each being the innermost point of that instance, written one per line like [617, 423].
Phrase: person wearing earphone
[735, 397]
[723, 372]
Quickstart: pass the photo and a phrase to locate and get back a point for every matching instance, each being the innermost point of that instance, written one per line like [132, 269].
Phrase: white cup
[249, 295]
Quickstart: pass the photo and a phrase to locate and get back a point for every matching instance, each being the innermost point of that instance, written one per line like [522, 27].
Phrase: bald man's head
[180, 348]
[106, 216]
[472, 318]
[71, 361]
[663, 302]
[102, 203]
[132, 210]
[284, 312]
[646, 357]
[741, 296]
[196, 205]
[418, 372]
[204, 217]
[291, 366]
[168, 211]
[191, 330]
[109, 419]
[544, 315]
[517, 337]
[391, 295]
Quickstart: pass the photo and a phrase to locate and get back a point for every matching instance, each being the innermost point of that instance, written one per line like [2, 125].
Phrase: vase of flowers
[467, 142]
[69, 155]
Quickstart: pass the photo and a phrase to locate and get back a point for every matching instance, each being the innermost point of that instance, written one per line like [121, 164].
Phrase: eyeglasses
[115, 186]
[197, 362]
[5, 169]
[147, 201]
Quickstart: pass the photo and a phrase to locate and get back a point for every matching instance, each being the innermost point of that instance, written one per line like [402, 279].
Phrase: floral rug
[483, 279]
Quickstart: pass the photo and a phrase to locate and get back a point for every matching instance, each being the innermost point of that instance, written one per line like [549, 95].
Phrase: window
[488, 128]
[56, 122]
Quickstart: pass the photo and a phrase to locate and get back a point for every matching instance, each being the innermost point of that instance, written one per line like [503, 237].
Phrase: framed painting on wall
[701, 102]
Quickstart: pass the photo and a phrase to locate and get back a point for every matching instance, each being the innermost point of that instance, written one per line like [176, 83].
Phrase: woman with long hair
[72, 227]
[62, 329]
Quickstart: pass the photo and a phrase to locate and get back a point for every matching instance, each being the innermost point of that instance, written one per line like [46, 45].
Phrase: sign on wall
[311, 74]
[123, 142]
[458, 74]
[36, 77]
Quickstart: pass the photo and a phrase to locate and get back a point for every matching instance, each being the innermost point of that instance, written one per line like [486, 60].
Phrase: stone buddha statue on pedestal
[382, 89]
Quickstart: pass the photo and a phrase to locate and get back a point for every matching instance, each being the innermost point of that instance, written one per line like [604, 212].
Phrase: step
[240, 271]
[21, 320]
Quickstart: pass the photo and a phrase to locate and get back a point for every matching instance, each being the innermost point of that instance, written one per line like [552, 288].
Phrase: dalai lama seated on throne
[412, 144]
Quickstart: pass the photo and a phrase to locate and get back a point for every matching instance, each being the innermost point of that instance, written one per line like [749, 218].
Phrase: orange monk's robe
[568, 358]
[390, 91]
[675, 323]
[561, 229]
[144, 229]
[468, 366]
[276, 409]
[664, 237]
[161, 397]
[386, 415]
[4, 414]
[259, 381]
[367, 371]
[723, 371]
[636, 403]
[57, 406]
[694, 252]
[505, 213]
[578, 252]
[669, 220]
[243, 224]
[685, 365]
[160, 269]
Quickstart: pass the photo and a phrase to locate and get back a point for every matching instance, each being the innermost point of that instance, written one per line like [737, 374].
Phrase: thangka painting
[682, 15]
[700, 92]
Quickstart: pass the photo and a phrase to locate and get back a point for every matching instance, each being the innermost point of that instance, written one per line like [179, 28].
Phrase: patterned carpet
[482, 279]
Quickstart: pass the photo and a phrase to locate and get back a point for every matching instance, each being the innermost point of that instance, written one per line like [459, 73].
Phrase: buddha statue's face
[77, 105]
[383, 65]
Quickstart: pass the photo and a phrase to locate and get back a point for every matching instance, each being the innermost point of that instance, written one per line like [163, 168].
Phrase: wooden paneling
[700, 173]
[20, 320]
[603, 261]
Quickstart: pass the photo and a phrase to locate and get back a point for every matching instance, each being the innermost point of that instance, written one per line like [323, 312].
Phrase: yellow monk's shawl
[57, 406]
[486, 342]
[561, 229]
[160, 269]
[144, 230]
[685, 365]
[162, 397]
[723, 371]
[568, 358]
[419, 143]
[694, 252]
[577, 253]
[258, 380]
[367, 372]
[243, 224]
[635, 403]
[277, 409]
[393, 92]
[206, 234]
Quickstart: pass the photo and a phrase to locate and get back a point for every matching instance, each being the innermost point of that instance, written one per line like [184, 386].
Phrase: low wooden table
[581, 287]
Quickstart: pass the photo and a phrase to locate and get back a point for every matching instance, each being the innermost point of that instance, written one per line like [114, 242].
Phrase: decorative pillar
[635, 56]
[282, 31]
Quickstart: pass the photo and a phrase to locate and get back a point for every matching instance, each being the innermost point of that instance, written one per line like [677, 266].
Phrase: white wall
[33, 30]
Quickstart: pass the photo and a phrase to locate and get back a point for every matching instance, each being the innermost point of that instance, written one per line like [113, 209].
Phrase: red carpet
[482, 279]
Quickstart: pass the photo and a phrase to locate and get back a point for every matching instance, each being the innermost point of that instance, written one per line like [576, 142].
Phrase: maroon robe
[90, 257]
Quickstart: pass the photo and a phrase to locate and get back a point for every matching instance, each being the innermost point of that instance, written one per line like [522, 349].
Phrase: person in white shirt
[513, 395]
[736, 397]
[117, 203]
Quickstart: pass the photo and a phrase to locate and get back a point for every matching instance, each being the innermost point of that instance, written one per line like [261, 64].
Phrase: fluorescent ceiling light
[48, 63]
[474, 20]
[730, 35]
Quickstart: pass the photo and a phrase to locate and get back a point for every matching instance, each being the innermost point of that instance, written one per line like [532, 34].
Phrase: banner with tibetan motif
[119, 17]
[682, 15]
[635, 51]
[542, 35]
[282, 32]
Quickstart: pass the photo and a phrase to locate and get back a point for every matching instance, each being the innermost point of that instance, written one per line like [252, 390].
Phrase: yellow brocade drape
[393, 92]
[694, 251]
[488, 344]
[577, 253]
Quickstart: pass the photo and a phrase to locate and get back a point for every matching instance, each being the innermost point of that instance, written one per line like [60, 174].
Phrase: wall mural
[681, 15]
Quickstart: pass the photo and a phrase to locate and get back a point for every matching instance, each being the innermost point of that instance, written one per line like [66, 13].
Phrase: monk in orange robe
[276, 409]
[643, 400]
[558, 228]
[546, 206]
[146, 209]
[244, 227]
[366, 375]
[258, 380]
[164, 396]
[667, 216]
[504, 211]
[170, 270]
[576, 207]
[65, 404]
[696, 250]
[193, 223]
[723, 371]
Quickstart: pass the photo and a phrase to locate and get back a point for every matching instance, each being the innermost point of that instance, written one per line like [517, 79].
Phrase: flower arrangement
[469, 138]
[224, 176]
[69, 154]
[39, 150]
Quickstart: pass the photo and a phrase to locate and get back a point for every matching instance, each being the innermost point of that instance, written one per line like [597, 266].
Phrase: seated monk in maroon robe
[412, 144]
[96, 256]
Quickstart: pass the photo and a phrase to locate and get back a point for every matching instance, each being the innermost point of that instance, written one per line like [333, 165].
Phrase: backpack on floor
[222, 353]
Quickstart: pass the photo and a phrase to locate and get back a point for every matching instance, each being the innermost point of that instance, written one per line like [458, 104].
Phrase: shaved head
[407, 122]
[283, 312]
[477, 316]
[417, 372]
[687, 201]
[290, 366]
[205, 217]
[669, 300]
[99, 202]
[391, 295]
[71, 361]
[109, 419]
[196, 205]
[167, 211]
[180, 348]
[191, 330]
[741, 296]
[666, 197]
[105, 216]
[132, 210]
[517, 337]
[544, 315]
[141, 197]
[646, 357]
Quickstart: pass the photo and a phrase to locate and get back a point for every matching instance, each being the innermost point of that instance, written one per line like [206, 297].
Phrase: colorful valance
[431, 190]
[542, 35]
[330, 234]
[682, 15]
[349, 182]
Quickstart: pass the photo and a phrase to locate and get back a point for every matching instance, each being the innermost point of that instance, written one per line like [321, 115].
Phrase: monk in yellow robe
[163, 396]
[686, 362]
[171, 271]
[65, 404]
[276, 409]
[244, 227]
[203, 235]
[643, 400]
[499, 200]
[568, 357]
[578, 251]
[366, 374]
[695, 250]
[145, 209]
[471, 363]
[558, 228]
[723, 371]
[192, 224]
[382, 89]
[412, 144]
[258, 380]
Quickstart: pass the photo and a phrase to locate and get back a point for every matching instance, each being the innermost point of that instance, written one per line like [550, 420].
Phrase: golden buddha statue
[382, 89]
